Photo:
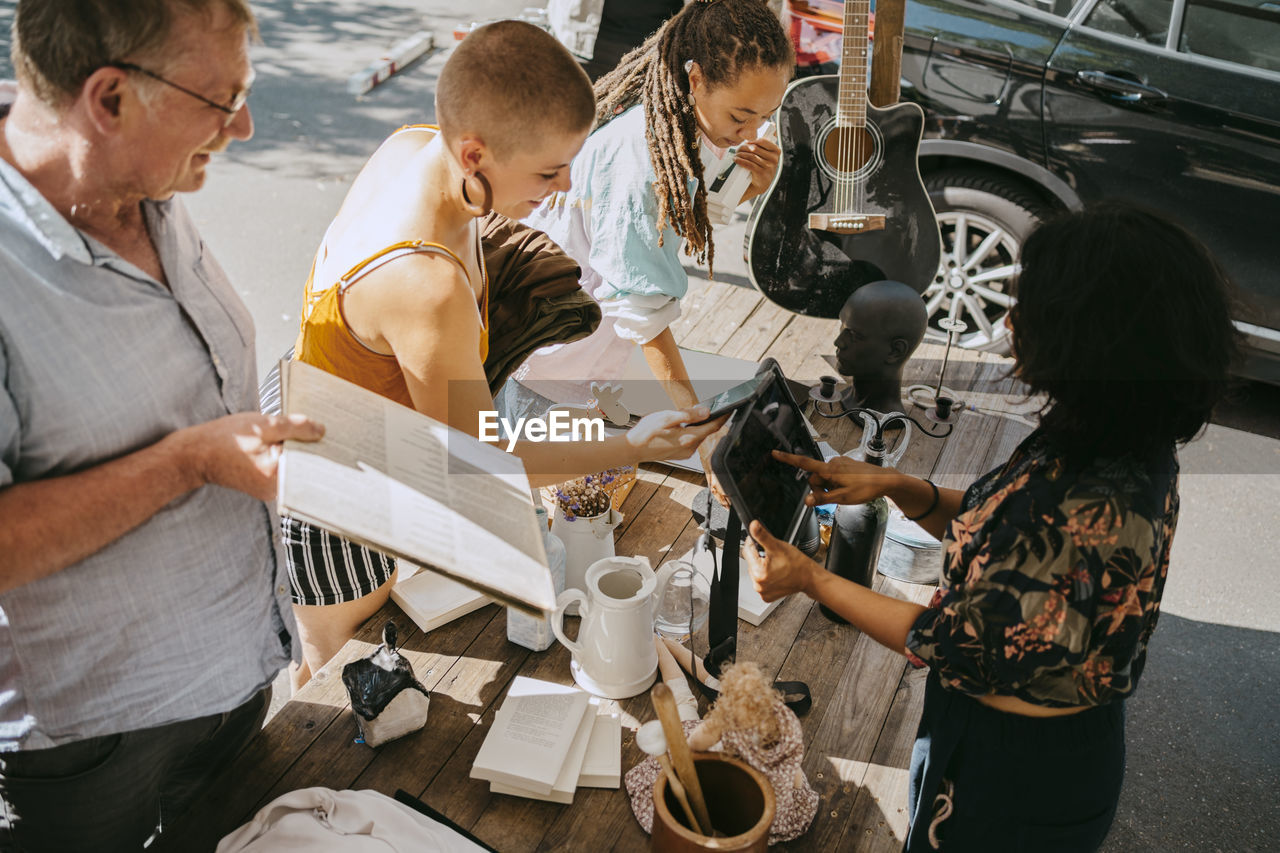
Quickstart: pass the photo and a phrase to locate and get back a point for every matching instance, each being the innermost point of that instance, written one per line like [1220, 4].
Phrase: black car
[1050, 104]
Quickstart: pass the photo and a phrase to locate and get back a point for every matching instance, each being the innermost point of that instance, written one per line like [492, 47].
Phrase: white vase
[586, 540]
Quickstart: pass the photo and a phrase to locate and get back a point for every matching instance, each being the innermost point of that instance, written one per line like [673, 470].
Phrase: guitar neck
[851, 110]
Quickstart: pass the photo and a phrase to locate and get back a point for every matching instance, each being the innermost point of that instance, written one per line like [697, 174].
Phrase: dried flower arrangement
[592, 495]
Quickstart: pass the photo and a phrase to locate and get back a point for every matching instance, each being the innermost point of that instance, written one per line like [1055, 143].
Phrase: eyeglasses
[231, 109]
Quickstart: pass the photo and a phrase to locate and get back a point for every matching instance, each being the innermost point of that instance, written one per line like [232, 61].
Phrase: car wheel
[983, 220]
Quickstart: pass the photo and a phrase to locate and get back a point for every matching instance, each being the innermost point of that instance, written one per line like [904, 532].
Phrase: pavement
[1203, 732]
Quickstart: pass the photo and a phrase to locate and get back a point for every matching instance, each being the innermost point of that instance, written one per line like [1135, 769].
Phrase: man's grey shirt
[182, 616]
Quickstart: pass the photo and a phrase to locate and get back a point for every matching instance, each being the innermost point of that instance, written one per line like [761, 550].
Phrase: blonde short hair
[57, 44]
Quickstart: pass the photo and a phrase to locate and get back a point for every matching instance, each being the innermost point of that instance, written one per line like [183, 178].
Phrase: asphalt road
[1204, 736]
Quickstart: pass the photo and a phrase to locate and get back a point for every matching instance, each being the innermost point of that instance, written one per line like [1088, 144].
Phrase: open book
[407, 485]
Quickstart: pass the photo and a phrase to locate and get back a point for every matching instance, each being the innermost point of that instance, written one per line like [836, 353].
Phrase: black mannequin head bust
[881, 324]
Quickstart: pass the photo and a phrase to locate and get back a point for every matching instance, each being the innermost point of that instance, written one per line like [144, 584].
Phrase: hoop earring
[482, 209]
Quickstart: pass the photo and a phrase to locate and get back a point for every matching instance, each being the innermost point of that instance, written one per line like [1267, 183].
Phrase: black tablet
[760, 487]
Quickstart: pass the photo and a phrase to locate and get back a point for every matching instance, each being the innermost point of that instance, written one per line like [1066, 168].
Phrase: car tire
[993, 215]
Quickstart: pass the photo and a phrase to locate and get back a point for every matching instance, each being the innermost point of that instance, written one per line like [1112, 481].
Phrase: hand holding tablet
[760, 486]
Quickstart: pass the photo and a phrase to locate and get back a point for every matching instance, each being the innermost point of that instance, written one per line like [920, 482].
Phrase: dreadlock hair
[725, 38]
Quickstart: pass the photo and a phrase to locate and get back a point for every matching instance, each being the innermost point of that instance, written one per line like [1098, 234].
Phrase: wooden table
[866, 699]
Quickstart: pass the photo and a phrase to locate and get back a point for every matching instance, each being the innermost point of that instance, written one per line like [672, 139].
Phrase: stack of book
[547, 740]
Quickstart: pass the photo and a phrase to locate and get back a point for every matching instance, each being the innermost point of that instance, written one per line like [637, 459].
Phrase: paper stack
[548, 740]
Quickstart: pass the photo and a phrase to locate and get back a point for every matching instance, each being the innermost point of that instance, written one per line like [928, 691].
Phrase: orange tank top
[326, 342]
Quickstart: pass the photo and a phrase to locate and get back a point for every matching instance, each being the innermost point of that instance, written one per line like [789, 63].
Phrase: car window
[1243, 31]
[1147, 20]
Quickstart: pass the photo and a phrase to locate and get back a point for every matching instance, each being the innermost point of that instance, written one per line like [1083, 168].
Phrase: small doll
[749, 721]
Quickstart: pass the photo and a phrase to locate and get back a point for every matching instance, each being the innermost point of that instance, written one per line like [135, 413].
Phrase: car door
[976, 66]
[1175, 104]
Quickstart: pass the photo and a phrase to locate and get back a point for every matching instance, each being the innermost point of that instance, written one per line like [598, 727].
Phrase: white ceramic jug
[614, 656]
[585, 541]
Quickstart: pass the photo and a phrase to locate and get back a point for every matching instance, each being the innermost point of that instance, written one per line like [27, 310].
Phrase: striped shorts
[327, 569]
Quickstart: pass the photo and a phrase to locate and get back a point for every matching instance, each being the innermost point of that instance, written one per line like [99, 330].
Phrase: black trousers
[1016, 783]
[112, 793]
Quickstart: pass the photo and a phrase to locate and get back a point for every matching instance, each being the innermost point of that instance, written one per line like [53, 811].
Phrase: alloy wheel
[974, 282]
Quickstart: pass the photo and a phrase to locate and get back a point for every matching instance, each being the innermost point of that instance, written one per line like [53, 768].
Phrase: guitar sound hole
[848, 149]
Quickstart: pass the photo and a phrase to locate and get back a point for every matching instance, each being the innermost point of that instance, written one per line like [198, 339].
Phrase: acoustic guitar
[847, 206]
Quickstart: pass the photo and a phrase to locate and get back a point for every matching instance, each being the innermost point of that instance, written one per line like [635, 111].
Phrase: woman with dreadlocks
[710, 76]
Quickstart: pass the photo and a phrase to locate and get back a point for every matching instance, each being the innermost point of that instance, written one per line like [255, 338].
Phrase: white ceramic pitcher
[614, 656]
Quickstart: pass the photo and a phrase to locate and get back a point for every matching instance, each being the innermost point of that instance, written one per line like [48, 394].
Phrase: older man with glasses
[144, 609]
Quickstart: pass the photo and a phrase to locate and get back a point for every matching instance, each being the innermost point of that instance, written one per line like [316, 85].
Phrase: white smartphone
[726, 180]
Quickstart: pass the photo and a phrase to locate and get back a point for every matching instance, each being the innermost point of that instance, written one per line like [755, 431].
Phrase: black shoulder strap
[722, 619]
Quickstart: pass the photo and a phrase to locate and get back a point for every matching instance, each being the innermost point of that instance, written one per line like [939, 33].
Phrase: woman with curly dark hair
[1054, 563]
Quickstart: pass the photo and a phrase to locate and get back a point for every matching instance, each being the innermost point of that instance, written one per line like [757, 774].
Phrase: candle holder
[942, 412]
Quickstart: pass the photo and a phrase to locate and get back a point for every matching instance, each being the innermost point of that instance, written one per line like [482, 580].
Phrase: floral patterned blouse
[1052, 577]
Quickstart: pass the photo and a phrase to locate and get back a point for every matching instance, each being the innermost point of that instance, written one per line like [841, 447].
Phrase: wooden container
[739, 799]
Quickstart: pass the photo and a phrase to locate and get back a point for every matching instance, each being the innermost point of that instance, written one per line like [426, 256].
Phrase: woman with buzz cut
[398, 300]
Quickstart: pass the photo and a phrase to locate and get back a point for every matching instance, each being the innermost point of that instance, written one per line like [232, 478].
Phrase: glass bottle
[534, 632]
[857, 534]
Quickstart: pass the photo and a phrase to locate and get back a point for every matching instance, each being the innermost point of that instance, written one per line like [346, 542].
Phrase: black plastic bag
[388, 700]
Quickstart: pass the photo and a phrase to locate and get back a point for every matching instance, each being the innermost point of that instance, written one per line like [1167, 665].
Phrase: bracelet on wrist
[932, 504]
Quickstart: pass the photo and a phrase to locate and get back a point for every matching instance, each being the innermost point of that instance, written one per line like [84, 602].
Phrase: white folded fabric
[321, 819]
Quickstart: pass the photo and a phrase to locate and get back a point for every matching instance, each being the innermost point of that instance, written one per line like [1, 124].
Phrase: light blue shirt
[608, 223]
[181, 617]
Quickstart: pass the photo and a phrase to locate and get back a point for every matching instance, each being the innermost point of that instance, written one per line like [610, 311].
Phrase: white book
[751, 607]
[431, 599]
[532, 735]
[566, 783]
[396, 480]
[602, 766]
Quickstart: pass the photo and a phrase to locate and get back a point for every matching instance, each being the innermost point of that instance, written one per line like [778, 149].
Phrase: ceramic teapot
[614, 656]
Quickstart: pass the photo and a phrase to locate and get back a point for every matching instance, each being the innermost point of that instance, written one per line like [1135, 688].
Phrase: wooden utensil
[653, 741]
[665, 705]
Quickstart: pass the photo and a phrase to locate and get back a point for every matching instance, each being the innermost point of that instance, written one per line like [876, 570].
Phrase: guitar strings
[850, 193]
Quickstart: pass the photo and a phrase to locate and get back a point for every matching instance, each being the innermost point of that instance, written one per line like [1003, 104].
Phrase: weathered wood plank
[878, 817]
[693, 306]
[649, 479]
[967, 452]
[799, 347]
[731, 307]
[754, 335]
[665, 516]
